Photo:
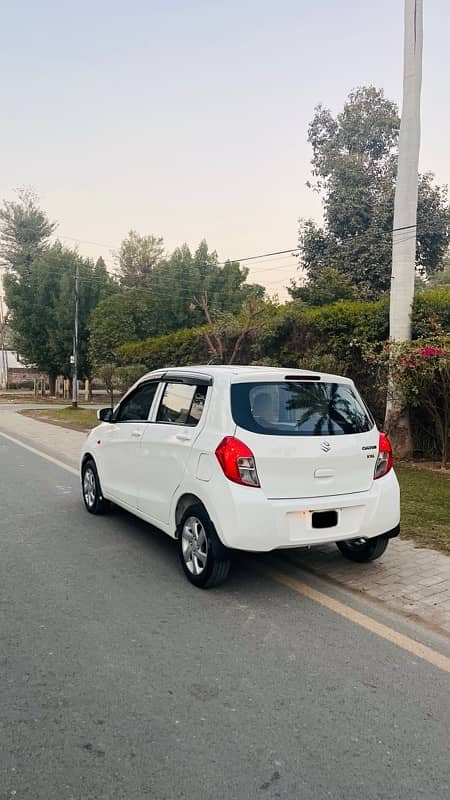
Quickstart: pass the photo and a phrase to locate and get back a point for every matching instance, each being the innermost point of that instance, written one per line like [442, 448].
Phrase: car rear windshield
[312, 408]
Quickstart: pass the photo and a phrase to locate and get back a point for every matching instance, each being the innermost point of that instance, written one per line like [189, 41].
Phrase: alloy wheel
[89, 487]
[194, 546]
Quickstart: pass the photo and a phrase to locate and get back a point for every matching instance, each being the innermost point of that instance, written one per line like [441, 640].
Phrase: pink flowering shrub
[421, 369]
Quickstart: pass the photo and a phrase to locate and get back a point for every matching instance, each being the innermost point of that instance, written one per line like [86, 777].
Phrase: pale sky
[189, 120]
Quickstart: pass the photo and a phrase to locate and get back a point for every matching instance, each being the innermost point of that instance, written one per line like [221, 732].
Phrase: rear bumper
[394, 532]
[247, 520]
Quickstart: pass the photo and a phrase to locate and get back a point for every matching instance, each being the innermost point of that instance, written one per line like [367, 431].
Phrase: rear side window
[182, 404]
[299, 409]
[136, 407]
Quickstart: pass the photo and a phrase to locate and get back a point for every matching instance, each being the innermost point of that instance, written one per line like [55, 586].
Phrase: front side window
[136, 407]
[182, 404]
[299, 408]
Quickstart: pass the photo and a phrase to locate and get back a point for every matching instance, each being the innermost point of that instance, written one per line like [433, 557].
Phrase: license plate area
[324, 519]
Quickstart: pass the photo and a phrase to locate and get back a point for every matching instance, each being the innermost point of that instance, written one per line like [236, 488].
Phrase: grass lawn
[425, 507]
[77, 418]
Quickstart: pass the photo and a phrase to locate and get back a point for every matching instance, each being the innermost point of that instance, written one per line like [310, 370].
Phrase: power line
[110, 245]
[262, 258]
[84, 241]
[261, 255]
[404, 228]
[258, 270]
[98, 279]
[290, 252]
[163, 293]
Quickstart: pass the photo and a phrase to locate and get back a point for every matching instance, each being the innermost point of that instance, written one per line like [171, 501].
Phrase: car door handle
[136, 434]
[183, 437]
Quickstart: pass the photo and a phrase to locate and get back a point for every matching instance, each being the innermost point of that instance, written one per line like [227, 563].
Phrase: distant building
[15, 374]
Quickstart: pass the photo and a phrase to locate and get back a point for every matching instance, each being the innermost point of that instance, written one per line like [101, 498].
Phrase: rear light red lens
[237, 462]
[385, 461]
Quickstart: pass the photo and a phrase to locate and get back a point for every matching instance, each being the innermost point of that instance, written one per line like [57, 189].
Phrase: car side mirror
[105, 414]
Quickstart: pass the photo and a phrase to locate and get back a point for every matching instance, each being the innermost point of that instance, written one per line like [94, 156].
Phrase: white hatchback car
[246, 458]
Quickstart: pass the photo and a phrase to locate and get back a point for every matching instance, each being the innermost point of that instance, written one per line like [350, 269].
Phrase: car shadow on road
[247, 568]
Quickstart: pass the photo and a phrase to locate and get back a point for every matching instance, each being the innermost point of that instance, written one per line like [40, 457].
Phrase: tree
[121, 318]
[186, 275]
[4, 317]
[328, 286]
[119, 378]
[166, 303]
[442, 278]
[41, 302]
[3, 346]
[354, 168]
[108, 374]
[226, 334]
[137, 259]
[25, 230]
[101, 272]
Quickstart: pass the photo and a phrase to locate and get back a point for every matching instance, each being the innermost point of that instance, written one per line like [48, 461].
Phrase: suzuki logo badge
[326, 447]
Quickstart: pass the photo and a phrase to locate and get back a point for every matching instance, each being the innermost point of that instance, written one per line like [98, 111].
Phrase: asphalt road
[120, 680]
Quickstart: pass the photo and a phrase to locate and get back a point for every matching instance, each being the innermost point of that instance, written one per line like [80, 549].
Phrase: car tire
[363, 550]
[205, 560]
[93, 498]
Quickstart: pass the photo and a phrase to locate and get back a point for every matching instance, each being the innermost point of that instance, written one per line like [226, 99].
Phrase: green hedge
[328, 338]
[295, 335]
[431, 303]
[184, 347]
[301, 332]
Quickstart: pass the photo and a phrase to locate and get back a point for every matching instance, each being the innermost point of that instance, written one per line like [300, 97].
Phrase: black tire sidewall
[217, 552]
[373, 549]
[99, 506]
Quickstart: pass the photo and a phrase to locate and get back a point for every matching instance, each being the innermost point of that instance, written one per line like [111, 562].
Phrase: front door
[119, 450]
[166, 446]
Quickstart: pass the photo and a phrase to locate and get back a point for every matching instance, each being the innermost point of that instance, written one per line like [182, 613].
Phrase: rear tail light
[385, 461]
[237, 462]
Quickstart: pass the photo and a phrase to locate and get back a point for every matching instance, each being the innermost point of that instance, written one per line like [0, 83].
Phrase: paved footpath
[412, 581]
[60, 443]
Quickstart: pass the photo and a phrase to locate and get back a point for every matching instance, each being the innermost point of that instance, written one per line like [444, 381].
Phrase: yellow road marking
[389, 634]
[41, 454]
[404, 642]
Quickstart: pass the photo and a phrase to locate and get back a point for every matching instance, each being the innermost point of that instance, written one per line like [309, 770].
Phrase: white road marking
[41, 454]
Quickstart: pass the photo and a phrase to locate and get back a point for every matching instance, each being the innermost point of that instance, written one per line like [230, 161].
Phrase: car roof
[242, 372]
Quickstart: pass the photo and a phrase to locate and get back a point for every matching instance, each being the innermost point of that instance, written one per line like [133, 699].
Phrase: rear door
[309, 438]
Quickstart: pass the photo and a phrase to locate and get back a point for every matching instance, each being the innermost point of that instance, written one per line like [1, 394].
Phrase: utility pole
[405, 218]
[75, 341]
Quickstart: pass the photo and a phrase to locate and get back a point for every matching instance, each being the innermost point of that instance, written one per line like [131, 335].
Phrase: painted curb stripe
[383, 631]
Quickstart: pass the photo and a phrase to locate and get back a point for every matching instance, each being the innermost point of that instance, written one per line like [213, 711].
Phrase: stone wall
[25, 376]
